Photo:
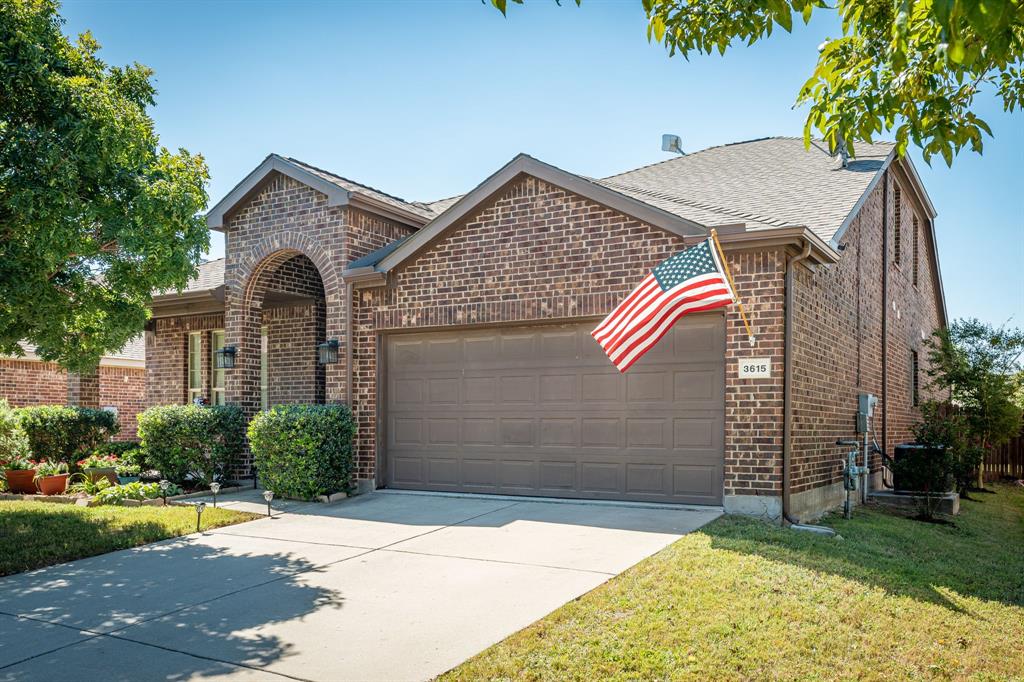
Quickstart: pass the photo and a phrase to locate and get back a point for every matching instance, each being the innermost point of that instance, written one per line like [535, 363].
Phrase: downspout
[349, 292]
[787, 398]
[885, 312]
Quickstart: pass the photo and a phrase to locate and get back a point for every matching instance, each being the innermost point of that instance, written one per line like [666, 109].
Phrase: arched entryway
[278, 311]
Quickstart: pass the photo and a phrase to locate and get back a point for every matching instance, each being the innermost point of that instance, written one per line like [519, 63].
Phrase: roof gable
[391, 256]
[339, 191]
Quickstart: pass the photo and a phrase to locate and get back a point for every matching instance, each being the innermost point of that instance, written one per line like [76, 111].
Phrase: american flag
[690, 281]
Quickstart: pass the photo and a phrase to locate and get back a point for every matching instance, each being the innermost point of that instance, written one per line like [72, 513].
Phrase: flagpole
[725, 266]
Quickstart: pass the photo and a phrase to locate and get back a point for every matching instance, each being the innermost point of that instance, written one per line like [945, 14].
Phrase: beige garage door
[541, 411]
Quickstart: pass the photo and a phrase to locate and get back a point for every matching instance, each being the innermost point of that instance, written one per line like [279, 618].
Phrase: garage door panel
[602, 387]
[557, 477]
[558, 388]
[536, 411]
[600, 477]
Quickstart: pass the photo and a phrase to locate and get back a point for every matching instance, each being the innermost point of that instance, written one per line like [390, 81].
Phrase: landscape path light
[164, 485]
[215, 488]
[200, 508]
[268, 495]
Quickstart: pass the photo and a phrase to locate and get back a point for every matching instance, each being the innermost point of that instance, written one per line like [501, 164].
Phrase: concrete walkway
[388, 586]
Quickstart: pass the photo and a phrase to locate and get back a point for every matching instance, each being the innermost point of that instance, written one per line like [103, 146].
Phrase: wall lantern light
[327, 352]
[225, 357]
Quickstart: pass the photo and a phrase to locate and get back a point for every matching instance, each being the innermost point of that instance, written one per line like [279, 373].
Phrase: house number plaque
[755, 368]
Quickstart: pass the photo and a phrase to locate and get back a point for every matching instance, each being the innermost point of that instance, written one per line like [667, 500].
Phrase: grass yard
[36, 534]
[894, 599]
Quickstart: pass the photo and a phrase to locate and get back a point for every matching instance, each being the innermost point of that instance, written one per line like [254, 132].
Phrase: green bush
[302, 451]
[66, 433]
[13, 440]
[191, 442]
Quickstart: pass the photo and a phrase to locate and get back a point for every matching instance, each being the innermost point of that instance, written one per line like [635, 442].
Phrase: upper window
[915, 255]
[915, 387]
[216, 375]
[195, 366]
[897, 221]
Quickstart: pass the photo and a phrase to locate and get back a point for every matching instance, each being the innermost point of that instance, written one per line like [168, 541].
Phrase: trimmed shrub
[64, 433]
[302, 451]
[13, 440]
[188, 442]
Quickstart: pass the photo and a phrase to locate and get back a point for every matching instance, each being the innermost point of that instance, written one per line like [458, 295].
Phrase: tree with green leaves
[911, 68]
[977, 366]
[94, 214]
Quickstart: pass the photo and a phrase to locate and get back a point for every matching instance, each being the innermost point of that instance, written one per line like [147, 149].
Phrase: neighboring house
[462, 325]
[118, 384]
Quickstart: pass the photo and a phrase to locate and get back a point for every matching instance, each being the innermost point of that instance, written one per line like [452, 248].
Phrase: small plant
[81, 484]
[96, 461]
[19, 464]
[118, 494]
[129, 452]
[49, 468]
[125, 469]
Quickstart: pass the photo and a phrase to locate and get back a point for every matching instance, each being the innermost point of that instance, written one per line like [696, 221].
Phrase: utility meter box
[865, 410]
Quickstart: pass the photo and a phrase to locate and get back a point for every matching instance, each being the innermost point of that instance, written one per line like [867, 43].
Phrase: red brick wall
[124, 388]
[294, 375]
[540, 253]
[754, 407]
[167, 357]
[30, 382]
[837, 349]
[915, 316]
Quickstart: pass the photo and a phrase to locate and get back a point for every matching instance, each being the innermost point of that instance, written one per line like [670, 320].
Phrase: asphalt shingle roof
[770, 182]
[419, 208]
[766, 183]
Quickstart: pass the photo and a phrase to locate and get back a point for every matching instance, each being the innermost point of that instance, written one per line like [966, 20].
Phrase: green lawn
[894, 599]
[35, 534]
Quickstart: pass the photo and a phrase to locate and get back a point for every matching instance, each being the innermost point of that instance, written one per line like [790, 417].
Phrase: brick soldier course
[312, 256]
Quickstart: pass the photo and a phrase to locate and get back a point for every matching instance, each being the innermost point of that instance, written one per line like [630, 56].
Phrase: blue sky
[425, 99]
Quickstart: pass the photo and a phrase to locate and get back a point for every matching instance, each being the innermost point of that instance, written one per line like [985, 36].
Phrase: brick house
[462, 325]
[118, 383]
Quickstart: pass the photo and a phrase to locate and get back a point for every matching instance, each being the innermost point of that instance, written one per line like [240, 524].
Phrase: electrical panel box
[865, 410]
[866, 404]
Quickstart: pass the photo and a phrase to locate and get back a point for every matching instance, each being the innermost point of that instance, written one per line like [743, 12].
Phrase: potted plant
[128, 473]
[100, 466]
[20, 474]
[52, 477]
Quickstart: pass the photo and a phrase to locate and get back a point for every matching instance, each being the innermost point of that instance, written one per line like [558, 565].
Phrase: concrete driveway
[388, 586]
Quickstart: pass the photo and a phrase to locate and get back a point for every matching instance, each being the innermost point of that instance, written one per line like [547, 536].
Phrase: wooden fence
[1007, 461]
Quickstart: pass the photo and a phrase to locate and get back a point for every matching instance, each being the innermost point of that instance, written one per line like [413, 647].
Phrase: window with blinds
[216, 375]
[195, 366]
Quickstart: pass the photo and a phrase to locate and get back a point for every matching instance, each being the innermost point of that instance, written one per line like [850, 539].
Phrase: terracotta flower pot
[53, 485]
[21, 481]
[109, 473]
